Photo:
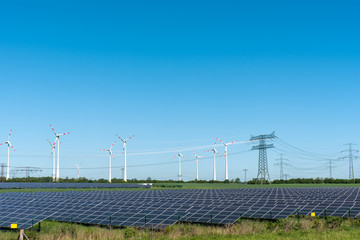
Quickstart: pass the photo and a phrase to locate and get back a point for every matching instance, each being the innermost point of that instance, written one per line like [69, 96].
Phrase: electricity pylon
[330, 167]
[350, 157]
[245, 170]
[263, 170]
[281, 162]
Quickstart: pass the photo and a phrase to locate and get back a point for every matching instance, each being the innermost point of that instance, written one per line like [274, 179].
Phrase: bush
[129, 232]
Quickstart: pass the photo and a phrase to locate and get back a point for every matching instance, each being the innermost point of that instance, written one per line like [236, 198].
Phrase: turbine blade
[130, 137]
[49, 142]
[64, 134]
[220, 141]
[9, 134]
[112, 145]
[53, 129]
[120, 138]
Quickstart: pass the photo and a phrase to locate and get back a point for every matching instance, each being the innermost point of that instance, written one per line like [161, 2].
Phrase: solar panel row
[21, 185]
[158, 209]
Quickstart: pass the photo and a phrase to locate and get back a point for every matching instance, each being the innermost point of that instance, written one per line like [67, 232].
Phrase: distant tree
[237, 180]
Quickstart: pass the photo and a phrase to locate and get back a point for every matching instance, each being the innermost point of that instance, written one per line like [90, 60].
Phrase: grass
[306, 228]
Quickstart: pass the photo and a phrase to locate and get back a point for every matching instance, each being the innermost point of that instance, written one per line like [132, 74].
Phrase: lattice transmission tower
[263, 170]
[281, 162]
[351, 157]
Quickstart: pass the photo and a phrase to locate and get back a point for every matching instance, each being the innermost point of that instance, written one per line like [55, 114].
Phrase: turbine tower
[215, 152]
[53, 155]
[78, 169]
[226, 162]
[8, 156]
[110, 157]
[179, 155]
[57, 138]
[124, 152]
[197, 165]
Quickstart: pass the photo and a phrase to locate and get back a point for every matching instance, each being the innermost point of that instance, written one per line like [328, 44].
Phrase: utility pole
[263, 170]
[281, 163]
[351, 156]
[245, 170]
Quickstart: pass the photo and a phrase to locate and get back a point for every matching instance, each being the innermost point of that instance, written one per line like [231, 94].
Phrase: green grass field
[306, 228]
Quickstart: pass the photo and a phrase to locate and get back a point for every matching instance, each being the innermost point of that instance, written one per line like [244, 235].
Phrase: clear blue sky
[179, 72]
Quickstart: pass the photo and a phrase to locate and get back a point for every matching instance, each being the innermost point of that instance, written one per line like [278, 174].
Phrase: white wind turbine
[78, 169]
[53, 155]
[57, 138]
[179, 155]
[215, 152]
[124, 151]
[226, 162]
[8, 157]
[110, 157]
[197, 165]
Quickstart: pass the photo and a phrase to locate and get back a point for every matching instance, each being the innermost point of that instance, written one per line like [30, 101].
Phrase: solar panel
[22, 185]
[158, 209]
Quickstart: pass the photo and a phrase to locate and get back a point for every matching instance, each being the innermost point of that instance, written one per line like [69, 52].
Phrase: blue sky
[179, 72]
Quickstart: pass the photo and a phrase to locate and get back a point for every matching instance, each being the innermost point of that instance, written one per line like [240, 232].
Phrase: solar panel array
[158, 209]
[21, 185]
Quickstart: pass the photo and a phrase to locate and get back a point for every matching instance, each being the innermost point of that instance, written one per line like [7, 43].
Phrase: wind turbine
[179, 155]
[57, 138]
[78, 169]
[197, 165]
[215, 152]
[226, 163]
[110, 157]
[53, 155]
[8, 158]
[124, 151]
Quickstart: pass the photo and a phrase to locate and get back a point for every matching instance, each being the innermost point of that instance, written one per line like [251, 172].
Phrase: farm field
[306, 228]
